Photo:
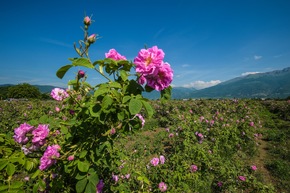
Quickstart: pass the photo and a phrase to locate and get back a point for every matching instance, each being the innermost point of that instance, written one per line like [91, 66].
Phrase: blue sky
[205, 41]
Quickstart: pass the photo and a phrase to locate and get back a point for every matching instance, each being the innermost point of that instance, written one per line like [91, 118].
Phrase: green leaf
[81, 185]
[166, 93]
[148, 108]
[29, 165]
[107, 102]
[82, 62]
[3, 164]
[83, 153]
[3, 187]
[35, 174]
[35, 188]
[83, 166]
[10, 169]
[91, 188]
[123, 75]
[114, 85]
[135, 106]
[16, 184]
[62, 71]
[125, 99]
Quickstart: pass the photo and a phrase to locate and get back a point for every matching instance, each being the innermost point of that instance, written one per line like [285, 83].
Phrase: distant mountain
[176, 93]
[275, 84]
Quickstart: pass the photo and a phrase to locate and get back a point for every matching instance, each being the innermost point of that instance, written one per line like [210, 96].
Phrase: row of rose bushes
[205, 146]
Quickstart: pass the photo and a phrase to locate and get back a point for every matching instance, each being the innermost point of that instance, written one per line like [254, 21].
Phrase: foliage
[24, 90]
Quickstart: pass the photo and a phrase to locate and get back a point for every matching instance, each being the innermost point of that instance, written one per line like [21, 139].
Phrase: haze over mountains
[274, 84]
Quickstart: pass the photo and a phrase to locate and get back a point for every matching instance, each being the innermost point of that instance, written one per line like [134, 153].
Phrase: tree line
[22, 91]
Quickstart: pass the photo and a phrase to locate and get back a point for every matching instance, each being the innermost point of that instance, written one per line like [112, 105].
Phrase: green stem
[103, 75]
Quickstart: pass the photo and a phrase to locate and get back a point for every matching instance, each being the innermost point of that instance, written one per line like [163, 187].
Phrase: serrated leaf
[62, 71]
[125, 99]
[123, 75]
[83, 166]
[3, 164]
[10, 169]
[35, 174]
[83, 153]
[107, 102]
[82, 62]
[148, 108]
[115, 85]
[135, 106]
[81, 185]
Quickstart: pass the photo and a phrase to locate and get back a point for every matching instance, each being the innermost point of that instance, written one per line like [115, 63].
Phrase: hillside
[275, 84]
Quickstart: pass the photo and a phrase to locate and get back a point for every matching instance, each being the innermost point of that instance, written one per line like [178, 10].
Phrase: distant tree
[4, 92]
[24, 90]
[46, 96]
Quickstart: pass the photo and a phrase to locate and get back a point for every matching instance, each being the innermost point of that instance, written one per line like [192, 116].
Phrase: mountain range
[274, 84]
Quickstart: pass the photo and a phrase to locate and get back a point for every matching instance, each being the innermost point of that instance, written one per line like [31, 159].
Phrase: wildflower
[48, 158]
[167, 129]
[100, 186]
[113, 131]
[219, 184]
[251, 124]
[171, 135]
[20, 133]
[58, 94]
[113, 54]
[155, 161]
[71, 158]
[26, 178]
[39, 135]
[162, 159]
[193, 168]
[141, 118]
[242, 178]
[254, 168]
[162, 186]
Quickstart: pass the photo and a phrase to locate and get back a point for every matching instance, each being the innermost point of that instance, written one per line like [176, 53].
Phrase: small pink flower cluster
[59, 94]
[141, 118]
[113, 54]
[162, 186]
[49, 157]
[152, 69]
[155, 160]
[39, 134]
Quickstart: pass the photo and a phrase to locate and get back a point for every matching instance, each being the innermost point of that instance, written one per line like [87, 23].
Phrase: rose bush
[77, 152]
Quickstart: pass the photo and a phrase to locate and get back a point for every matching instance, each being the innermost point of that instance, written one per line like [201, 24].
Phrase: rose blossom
[113, 54]
[155, 161]
[253, 167]
[242, 178]
[100, 186]
[39, 135]
[92, 38]
[81, 73]
[20, 133]
[48, 158]
[162, 186]
[58, 94]
[160, 77]
[193, 168]
[71, 158]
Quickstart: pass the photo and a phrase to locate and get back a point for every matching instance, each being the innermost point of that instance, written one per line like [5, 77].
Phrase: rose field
[108, 137]
[206, 145]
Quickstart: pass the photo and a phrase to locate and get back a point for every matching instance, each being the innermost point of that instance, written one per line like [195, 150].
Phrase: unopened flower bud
[81, 73]
[87, 20]
[92, 38]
